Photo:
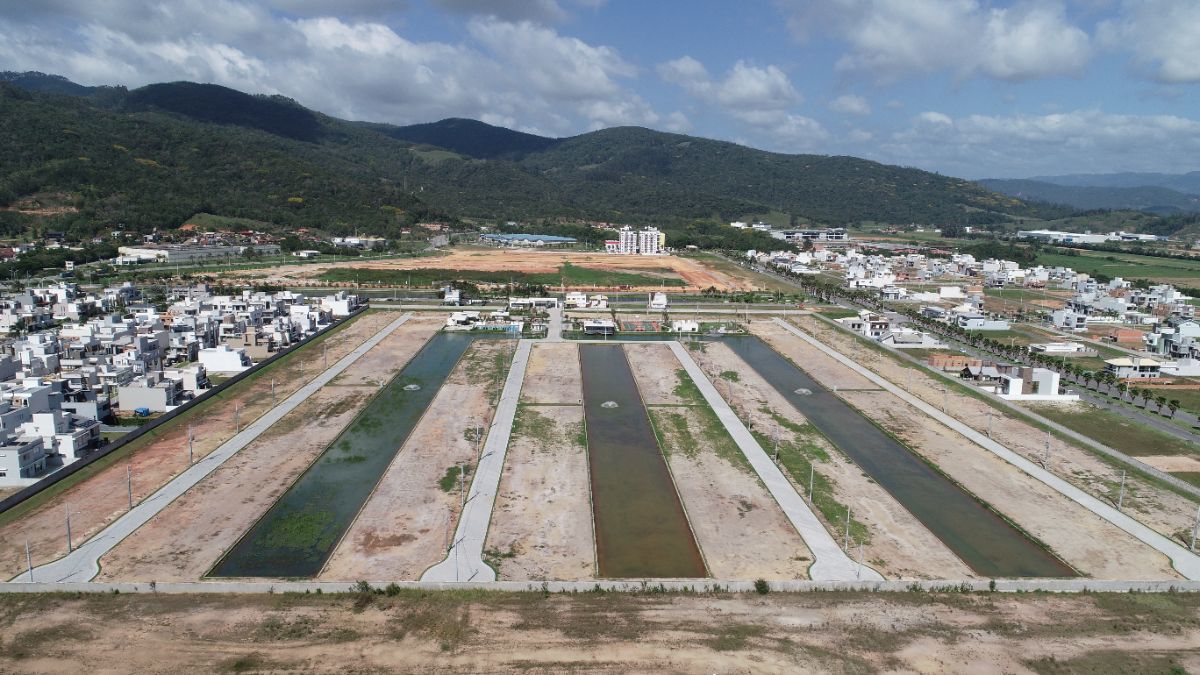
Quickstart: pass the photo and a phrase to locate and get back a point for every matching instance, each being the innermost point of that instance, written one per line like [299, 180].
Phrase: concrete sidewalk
[84, 562]
[464, 562]
[831, 563]
[1184, 561]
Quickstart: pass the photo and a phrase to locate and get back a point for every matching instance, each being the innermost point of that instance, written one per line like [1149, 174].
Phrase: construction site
[765, 449]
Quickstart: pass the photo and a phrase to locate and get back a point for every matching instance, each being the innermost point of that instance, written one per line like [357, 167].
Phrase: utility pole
[1121, 496]
[29, 557]
[325, 353]
[462, 486]
[70, 548]
[943, 399]
[191, 436]
[811, 473]
[1195, 530]
[776, 445]
[989, 430]
[129, 483]
[847, 528]
[237, 418]
[858, 572]
[272, 392]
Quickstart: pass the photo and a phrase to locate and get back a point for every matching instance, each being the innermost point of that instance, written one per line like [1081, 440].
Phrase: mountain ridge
[205, 148]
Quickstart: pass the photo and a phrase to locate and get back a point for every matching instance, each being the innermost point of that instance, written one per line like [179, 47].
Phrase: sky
[970, 88]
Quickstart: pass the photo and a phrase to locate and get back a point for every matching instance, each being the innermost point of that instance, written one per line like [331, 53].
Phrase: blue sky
[972, 88]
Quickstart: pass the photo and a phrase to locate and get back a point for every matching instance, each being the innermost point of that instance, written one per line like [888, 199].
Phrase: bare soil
[695, 274]
[552, 376]
[1161, 509]
[101, 498]
[404, 527]
[541, 524]
[526, 632]
[741, 531]
[1085, 541]
[186, 539]
[899, 545]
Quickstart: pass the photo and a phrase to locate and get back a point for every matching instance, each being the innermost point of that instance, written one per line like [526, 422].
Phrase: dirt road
[405, 525]
[101, 498]
[184, 540]
[522, 633]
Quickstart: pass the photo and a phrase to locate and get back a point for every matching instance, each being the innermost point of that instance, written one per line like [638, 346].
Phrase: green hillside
[153, 157]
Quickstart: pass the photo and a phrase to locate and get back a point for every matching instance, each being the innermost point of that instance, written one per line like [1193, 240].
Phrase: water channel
[297, 535]
[641, 529]
[987, 543]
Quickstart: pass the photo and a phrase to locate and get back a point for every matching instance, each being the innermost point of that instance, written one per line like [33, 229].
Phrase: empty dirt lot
[473, 632]
[696, 274]
[541, 525]
[741, 531]
[101, 498]
[184, 540]
[405, 525]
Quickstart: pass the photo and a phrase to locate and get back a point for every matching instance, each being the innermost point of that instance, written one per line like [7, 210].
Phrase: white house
[223, 359]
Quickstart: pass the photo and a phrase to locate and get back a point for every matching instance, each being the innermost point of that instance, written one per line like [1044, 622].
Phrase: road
[83, 563]
[464, 561]
[830, 562]
[1184, 561]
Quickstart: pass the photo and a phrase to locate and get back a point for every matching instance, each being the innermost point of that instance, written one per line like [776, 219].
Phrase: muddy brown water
[641, 529]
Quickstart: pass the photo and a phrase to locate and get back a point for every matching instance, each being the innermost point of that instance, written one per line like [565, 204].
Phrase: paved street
[83, 563]
[1184, 561]
[831, 563]
[464, 562]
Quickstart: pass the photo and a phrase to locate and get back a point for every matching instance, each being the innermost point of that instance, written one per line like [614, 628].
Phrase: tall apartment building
[637, 242]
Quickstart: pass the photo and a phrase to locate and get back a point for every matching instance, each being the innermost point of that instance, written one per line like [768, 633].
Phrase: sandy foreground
[529, 632]
[1085, 541]
[695, 273]
[101, 498]
[741, 531]
[541, 524]
[1163, 510]
[186, 539]
[405, 526]
[900, 547]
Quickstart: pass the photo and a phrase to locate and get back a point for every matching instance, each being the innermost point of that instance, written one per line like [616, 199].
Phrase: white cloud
[894, 38]
[1022, 145]
[850, 104]
[757, 88]
[677, 122]
[352, 67]
[509, 10]
[1164, 36]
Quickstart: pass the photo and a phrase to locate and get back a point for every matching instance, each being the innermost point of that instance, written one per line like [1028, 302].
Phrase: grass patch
[735, 638]
[449, 482]
[837, 312]
[798, 456]
[1115, 430]
[687, 390]
[493, 557]
[1192, 477]
[730, 375]
[307, 528]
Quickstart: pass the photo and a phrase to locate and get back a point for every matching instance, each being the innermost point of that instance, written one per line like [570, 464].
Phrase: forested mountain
[154, 156]
[51, 84]
[1182, 182]
[469, 137]
[1152, 199]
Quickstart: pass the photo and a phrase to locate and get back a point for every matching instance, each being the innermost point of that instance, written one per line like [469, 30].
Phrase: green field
[569, 274]
[1126, 265]
[1115, 430]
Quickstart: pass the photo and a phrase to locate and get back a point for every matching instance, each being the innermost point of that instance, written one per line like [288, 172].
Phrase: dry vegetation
[455, 632]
